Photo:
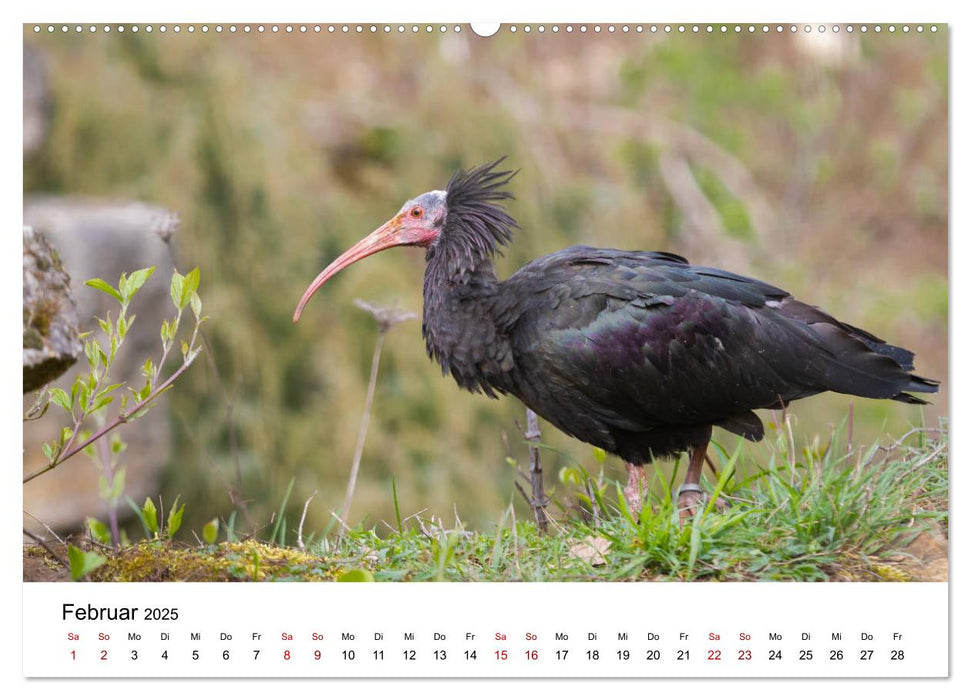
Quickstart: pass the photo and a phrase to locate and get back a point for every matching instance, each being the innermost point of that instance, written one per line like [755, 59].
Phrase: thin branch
[104, 452]
[43, 543]
[362, 430]
[387, 319]
[539, 500]
[46, 527]
[119, 420]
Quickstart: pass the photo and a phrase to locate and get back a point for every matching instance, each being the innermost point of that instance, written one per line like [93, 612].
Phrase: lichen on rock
[50, 340]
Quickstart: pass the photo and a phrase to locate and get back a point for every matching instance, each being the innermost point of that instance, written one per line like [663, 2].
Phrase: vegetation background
[816, 161]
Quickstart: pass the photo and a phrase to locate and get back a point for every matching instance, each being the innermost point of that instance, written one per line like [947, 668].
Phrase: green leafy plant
[210, 531]
[83, 563]
[91, 425]
[148, 515]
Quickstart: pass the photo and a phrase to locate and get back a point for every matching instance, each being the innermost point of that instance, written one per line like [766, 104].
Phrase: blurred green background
[817, 162]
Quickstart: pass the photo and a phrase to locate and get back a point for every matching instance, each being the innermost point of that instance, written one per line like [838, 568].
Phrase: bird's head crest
[477, 223]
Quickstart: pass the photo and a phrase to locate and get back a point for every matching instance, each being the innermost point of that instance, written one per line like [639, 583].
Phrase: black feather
[476, 224]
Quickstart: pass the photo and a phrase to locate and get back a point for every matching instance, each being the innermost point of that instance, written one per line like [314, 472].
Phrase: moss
[42, 315]
[888, 572]
[854, 567]
[237, 561]
[33, 339]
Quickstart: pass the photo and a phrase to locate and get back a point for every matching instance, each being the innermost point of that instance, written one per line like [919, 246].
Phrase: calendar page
[537, 350]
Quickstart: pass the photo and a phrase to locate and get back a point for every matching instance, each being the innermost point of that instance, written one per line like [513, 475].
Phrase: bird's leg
[634, 488]
[690, 495]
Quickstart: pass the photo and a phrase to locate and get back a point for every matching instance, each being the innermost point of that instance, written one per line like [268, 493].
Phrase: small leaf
[190, 284]
[108, 389]
[356, 576]
[139, 278]
[174, 521]
[105, 325]
[84, 393]
[124, 286]
[175, 288]
[99, 531]
[122, 325]
[39, 408]
[100, 403]
[66, 434]
[83, 563]
[210, 531]
[117, 444]
[92, 352]
[49, 450]
[196, 303]
[599, 454]
[570, 476]
[60, 398]
[150, 514]
[103, 286]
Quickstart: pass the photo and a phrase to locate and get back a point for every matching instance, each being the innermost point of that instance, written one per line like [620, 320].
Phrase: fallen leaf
[591, 550]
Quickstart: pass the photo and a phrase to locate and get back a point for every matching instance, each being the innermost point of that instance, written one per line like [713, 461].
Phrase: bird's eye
[416, 213]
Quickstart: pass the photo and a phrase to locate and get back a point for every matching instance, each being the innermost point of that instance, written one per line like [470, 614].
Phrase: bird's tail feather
[861, 365]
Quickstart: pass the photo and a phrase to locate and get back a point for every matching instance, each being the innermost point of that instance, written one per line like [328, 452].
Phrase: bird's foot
[691, 499]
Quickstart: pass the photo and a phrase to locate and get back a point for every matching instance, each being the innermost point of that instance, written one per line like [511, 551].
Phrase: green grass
[815, 516]
[824, 512]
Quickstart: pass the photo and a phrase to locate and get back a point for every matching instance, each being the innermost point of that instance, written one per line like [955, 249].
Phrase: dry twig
[387, 319]
[539, 500]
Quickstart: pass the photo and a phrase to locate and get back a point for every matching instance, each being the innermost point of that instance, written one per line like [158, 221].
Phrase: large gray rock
[51, 343]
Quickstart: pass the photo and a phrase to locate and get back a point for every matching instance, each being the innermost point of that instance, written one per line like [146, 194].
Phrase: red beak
[387, 236]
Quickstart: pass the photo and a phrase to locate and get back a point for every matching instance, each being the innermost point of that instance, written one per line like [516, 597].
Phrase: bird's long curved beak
[386, 236]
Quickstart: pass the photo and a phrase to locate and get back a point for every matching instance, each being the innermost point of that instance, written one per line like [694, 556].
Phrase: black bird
[639, 353]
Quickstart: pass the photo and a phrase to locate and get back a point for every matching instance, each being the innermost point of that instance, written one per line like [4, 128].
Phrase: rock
[104, 238]
[51, 343]
[925, 557]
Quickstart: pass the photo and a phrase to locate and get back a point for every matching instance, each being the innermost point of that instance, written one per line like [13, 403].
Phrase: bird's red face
[419, 222]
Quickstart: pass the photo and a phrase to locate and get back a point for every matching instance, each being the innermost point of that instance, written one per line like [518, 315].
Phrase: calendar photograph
[557, 303]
